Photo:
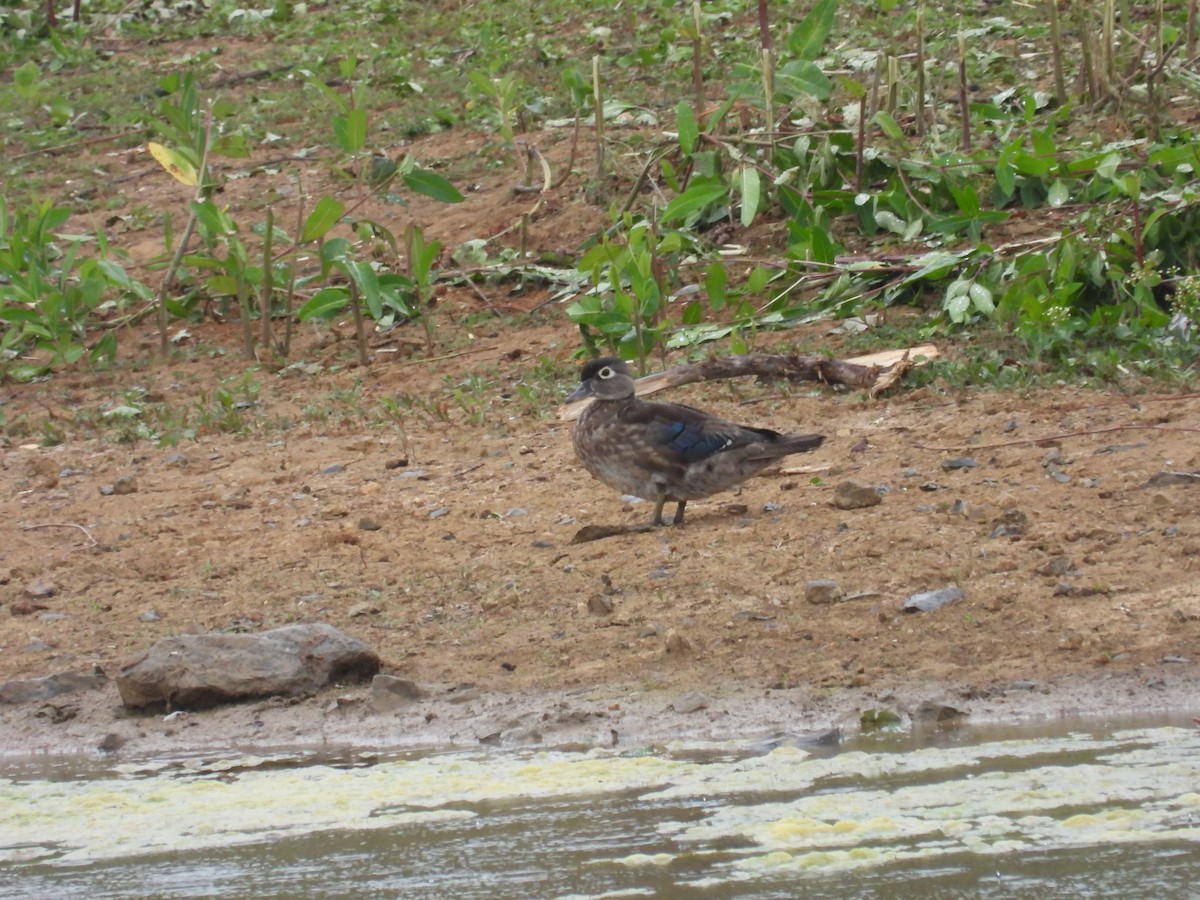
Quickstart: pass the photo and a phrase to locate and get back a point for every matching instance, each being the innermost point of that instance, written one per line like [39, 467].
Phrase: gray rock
[823, 590]
[40, 589]
[927, 601]
[600, 605]
[852, 495]
[1011, 524]
[963, 462]
[126, 484]
[389, 693]
[1168, 479]
[31, 689]
[692, 701]
[1056, 567]
[197, 671]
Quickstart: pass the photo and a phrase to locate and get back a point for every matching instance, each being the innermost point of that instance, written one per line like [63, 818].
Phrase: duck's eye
[606, 372]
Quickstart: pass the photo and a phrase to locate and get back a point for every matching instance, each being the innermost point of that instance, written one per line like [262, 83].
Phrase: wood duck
[667, 451]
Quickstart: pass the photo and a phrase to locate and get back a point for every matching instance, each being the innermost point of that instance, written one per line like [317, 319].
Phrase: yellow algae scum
[785, 810]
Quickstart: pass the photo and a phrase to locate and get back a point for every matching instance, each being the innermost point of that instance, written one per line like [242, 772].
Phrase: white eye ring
[606, 372]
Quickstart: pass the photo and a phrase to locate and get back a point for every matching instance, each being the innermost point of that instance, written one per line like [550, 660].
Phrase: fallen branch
[876, 372]
[1048, 438]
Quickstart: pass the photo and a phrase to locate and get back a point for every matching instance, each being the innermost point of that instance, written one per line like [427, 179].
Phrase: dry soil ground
[442, 538]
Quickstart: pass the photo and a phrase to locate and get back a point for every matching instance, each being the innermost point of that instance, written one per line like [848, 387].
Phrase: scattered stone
[929, 711]
[236, 498]
[823, 590]
[771, 507]
[1182, 660]
[1057, 475]
[961, 462]
[37, 645]
[930, 486]
[516, 512]
[176, 460]
[40, 590]
[23, 607]
[334, 469]
[366, 523]
[1070, 640]
[1011, 524]
[197, 671]
[150, 615]
[366, 608]
[1171, 479]
[1063, 589]
[928, 601]
[110, 743]
[852, 495]
[1052, 457]
[396, 463]
[676, 642]
[600, 605]
[465, 694]
[692, 701]
[389, 693]
[439, 512]
[654, 629]
[57, 713]
[126, 484]
[32, 689]
[660, 573]
[735, 509]
[1056, 567]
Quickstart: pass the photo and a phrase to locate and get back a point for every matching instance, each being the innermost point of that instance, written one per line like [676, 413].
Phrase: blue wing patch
[694, 442]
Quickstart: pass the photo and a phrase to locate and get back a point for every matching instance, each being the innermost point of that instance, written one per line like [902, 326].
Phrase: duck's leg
[678, 520]
[658, 505]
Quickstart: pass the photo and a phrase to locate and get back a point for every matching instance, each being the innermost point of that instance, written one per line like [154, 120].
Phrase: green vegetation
[1030, 184]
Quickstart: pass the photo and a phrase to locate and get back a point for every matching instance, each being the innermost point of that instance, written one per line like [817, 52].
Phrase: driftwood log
[875, 373]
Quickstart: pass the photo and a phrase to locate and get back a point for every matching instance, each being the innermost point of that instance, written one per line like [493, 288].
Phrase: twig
[85, 142]
[429, 359]
[94, 542]
[1058, 437]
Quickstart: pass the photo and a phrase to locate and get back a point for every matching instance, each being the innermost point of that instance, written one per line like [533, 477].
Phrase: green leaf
[324, 216]
[714, 285]
[981, 297]
[751, 194]
[368, 285]
[423, 181]
[693, 200]
[802, 77]
[333, 253]
[351, 130]
[889, 126]
[806, 41]
[1059, 193]
[324, 304]
[689, 131]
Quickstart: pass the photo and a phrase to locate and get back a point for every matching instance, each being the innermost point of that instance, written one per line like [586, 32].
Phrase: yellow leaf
[173, 162]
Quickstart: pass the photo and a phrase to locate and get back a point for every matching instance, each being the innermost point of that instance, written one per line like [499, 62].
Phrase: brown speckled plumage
[667, 451]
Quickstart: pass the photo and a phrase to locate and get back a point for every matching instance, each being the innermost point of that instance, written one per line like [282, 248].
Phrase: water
[1088, 812]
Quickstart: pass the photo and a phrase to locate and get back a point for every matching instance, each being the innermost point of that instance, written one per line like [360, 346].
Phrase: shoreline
[450, 717]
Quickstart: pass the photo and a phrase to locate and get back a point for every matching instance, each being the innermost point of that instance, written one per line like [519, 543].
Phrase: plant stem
[598, 112]
[1060, 86]
[268, 286]
[921, 70]
[964, 103]
[698, 65]
[360, 329]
